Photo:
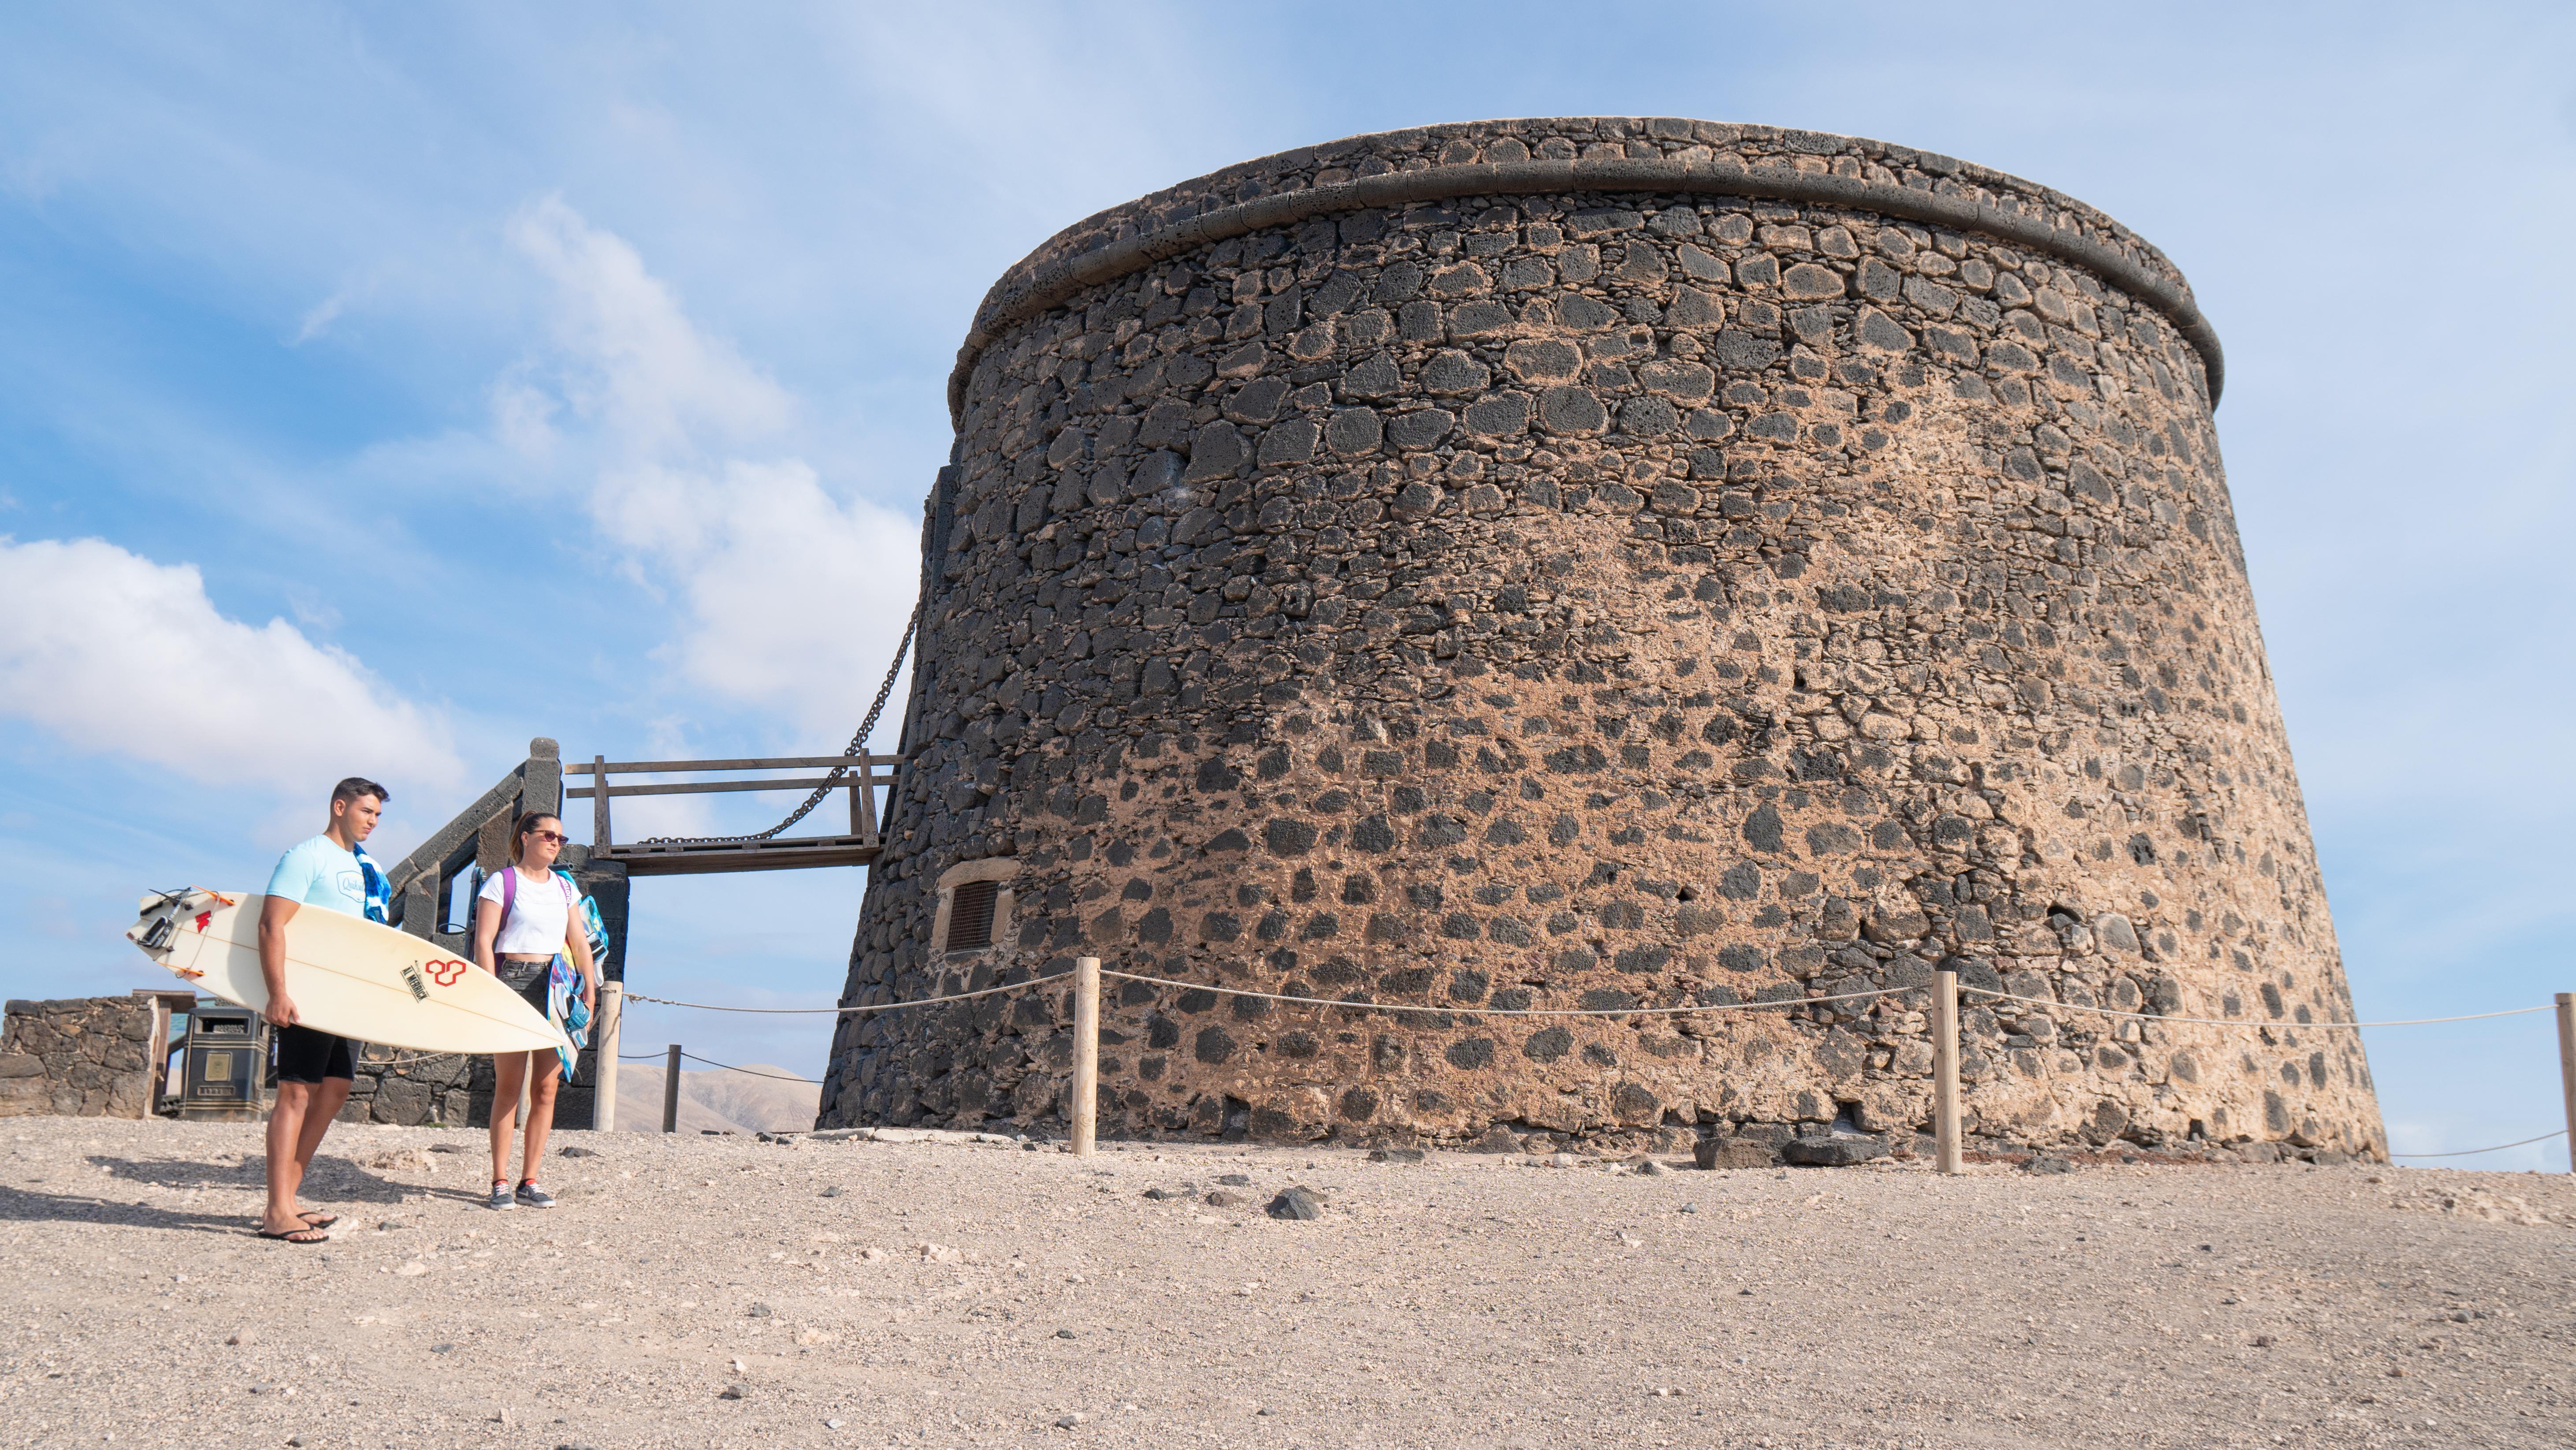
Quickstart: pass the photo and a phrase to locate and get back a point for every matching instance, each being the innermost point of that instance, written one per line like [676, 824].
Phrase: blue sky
[384, 385]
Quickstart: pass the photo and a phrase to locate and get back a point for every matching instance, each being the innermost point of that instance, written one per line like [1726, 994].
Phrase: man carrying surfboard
[314, 1069]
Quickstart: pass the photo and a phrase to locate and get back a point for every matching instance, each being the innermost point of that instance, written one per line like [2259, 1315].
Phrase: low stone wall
[92, 1057]
[411, 1090]
[83, 1057]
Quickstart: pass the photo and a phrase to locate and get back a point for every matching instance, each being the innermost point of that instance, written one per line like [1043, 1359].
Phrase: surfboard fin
[160, 913]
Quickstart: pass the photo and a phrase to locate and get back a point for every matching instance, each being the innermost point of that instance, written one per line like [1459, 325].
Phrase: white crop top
[536, 923]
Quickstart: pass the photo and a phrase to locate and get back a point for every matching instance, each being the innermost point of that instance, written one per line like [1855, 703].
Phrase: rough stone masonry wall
[1598, 599]
[78, 1057]
[412, 1090]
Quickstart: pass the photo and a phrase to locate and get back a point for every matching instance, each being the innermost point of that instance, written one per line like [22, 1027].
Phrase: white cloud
[635, 363]
[779, 578]
[118, 654]
[784, 584]
[319, 318]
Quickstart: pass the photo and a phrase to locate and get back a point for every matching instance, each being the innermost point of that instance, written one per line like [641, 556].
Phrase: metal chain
[858, 743]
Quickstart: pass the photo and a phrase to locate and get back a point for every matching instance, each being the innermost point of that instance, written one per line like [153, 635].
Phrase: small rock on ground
[1832, 1152]
[1296, 1203]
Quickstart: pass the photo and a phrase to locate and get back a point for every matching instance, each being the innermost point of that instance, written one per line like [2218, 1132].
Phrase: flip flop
[319, 1220]
[296, 1235]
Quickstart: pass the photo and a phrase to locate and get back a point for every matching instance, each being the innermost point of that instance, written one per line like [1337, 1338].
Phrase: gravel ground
[724, 1291]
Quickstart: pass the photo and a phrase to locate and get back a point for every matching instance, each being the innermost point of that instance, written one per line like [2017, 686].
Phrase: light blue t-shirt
[319, 873]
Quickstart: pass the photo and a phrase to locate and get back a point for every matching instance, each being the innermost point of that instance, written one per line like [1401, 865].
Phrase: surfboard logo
[446, 973]
[202, 918]
[411, 979]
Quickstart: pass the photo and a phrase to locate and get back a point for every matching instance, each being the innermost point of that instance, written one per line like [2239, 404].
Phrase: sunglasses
[557, 837]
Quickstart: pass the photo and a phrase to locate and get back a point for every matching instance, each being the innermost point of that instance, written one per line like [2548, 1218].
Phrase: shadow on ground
[20, 1205]
[330, 1180]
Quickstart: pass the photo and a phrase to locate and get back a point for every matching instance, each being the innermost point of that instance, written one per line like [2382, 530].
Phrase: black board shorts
[307, 1056]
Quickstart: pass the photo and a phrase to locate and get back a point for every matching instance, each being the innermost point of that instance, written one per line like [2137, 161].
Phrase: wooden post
[1086, 1053]
[1945, 1069]
[2567, 1068]
[671, 1092]
[599, 840]
[603, 1036]
[157, 1080]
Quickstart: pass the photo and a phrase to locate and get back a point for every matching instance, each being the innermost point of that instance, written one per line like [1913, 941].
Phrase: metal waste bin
[227, 1065]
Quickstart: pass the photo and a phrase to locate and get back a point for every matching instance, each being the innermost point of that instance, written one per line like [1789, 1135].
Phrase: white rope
[1511, 1011]
[1570, 1011]
[1309, 1001]
[749, 1072]
[2242, 1022]
[2473, 1152]
[871, 1007]
[393, 1062]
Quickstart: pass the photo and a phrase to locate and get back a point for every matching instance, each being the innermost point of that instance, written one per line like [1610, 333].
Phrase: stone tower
[1598, 563]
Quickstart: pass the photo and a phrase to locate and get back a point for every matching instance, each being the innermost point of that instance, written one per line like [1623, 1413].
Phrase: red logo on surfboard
[202, 918]
[446, 973]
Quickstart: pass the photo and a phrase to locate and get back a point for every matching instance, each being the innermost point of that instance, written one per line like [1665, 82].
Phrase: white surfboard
[347, 975]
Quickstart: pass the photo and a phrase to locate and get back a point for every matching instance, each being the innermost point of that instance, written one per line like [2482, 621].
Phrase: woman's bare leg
[509, 1069]
[541, 1109]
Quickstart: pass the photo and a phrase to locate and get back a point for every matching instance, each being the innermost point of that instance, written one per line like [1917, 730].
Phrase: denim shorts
[528, 979]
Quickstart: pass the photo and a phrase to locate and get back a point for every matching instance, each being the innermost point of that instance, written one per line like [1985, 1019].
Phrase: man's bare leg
[322, 1104]
[285, 1166]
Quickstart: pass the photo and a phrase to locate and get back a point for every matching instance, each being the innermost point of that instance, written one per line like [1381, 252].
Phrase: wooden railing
[676, 856]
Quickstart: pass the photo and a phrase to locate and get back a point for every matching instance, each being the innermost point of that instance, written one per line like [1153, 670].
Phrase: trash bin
[226, 1067]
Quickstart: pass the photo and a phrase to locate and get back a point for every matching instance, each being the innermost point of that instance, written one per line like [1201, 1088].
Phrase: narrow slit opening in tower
[970, 916]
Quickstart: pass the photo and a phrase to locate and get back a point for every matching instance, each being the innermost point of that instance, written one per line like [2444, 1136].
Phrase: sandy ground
[727, 1292]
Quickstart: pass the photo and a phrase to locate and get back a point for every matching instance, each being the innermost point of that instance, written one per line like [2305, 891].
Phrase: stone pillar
[541, 785]
[1603, 562]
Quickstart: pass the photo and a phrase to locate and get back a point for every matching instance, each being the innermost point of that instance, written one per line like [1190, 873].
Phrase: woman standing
[524, 926]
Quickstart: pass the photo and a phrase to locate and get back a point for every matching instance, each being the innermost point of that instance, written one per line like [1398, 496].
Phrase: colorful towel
[380, 896]
[565, 1009]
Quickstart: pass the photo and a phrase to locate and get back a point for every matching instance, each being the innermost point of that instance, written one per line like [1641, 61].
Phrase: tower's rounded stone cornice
[1684, 158]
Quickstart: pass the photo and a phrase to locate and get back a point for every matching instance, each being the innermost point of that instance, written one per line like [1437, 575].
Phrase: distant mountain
[726, 1101]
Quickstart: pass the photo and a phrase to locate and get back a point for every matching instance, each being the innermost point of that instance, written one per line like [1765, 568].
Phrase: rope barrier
[2473, 1152]
[747, 1072]
[393, 1062]
[871, 1007]
[1512, 1011]
[1637, 1011]
[1309, 1001]
[1624, 1011]
[2241, 1022]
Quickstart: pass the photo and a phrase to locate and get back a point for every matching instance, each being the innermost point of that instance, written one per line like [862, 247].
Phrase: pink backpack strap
[509, 902]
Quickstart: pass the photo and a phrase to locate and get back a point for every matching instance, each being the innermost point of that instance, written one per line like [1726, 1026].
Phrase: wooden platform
[787, 855]
[699, 858]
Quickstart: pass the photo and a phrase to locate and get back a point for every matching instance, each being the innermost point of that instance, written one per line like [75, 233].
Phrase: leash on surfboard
[858, 743]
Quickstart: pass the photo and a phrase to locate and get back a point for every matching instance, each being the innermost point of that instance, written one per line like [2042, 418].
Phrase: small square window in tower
[970, 916]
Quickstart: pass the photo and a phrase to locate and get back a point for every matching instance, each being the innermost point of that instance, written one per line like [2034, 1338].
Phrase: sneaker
[533, 1196]
[501, 1195]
